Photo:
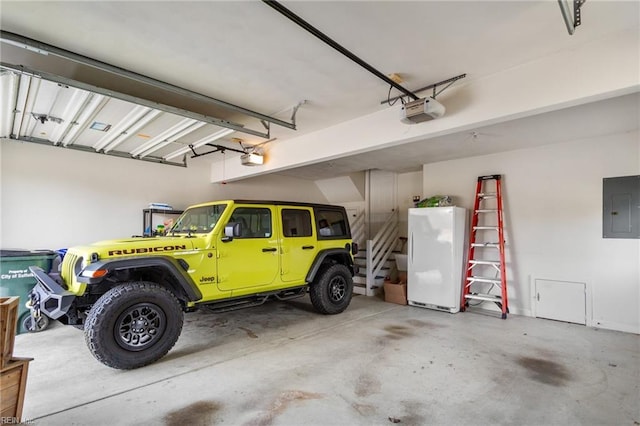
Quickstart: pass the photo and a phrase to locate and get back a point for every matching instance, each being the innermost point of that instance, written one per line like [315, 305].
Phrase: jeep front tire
[133, 324]
[331, 290]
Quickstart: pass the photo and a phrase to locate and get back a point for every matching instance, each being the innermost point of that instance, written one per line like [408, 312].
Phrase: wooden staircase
[360, 279]
[376, 259]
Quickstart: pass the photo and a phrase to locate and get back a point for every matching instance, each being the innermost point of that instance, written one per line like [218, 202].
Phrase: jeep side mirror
[232, 229]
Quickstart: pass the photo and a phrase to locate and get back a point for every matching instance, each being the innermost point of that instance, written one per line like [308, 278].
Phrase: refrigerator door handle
[411, 247]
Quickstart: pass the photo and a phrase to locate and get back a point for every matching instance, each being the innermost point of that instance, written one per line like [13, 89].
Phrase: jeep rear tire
[331, 290]
[133, 324]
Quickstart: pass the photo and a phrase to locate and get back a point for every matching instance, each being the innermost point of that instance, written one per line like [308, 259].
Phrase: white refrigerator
[436, 255]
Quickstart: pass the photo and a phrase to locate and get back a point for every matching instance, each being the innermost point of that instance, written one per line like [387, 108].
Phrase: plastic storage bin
[401, 261]
[17, 280]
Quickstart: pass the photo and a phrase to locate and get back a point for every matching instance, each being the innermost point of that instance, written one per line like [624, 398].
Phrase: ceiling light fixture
[101, 127]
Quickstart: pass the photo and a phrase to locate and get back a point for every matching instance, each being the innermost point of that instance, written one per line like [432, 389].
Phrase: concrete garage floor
[375, 364]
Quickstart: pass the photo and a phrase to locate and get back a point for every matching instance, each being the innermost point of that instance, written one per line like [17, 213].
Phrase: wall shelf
[148, 228]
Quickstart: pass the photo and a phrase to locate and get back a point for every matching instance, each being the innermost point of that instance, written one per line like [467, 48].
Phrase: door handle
[269, 249]
[307, 247]
[411, 248]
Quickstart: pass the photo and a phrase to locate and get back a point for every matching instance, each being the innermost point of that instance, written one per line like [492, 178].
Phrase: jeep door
[299, 245]
[252, 258]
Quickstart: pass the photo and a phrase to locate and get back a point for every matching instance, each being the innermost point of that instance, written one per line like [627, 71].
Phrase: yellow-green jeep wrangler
[129, 295]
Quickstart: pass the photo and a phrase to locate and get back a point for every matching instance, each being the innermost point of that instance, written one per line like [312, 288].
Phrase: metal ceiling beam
[326, 39]
[89, 149]
[44, 48]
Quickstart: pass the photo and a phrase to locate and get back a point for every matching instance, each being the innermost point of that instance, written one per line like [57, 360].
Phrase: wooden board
[8, 322]
[13, 384]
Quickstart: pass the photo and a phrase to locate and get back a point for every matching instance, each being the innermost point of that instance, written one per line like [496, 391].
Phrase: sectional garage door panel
[36, 109]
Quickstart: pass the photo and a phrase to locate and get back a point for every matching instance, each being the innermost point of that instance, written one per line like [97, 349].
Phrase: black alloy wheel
[140, 326]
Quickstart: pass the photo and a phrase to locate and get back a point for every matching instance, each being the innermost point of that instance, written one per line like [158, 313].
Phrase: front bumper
[48, 297]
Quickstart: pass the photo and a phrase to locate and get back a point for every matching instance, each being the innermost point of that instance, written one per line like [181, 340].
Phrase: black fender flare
[177, 268]
[341, 253]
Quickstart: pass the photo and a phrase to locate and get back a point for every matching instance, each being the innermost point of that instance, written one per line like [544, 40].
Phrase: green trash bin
[17, 280]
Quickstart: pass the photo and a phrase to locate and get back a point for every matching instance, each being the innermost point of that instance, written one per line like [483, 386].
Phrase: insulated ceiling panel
[52, 111]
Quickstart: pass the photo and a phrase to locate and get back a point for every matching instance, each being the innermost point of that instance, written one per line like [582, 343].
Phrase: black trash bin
[17, 280]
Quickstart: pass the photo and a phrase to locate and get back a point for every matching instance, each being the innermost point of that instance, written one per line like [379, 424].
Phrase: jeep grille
[71, 266]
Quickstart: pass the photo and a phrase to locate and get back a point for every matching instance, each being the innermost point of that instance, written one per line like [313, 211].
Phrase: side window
[331, 224]
[296, 223]
[255, 222]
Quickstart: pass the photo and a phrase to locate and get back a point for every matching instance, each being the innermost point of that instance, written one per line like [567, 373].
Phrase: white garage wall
[54, 197]
[553, 220]
[409, 185]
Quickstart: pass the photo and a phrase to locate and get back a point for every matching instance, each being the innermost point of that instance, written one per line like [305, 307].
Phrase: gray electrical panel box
[621, 207]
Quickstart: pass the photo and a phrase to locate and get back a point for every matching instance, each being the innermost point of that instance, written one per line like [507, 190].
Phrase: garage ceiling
[247, 54]
[610, 116]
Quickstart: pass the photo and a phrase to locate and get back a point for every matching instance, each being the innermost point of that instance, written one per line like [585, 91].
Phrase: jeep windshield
[198, 220]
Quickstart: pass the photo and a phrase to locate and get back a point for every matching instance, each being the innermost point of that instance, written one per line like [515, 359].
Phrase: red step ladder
[487, 223]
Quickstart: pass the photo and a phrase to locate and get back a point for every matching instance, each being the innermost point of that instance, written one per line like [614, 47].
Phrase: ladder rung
[493, 228]
[481, 296]
[487, 211]
[485, 262]
[484, 280]
[487, 195]
[493, 245]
